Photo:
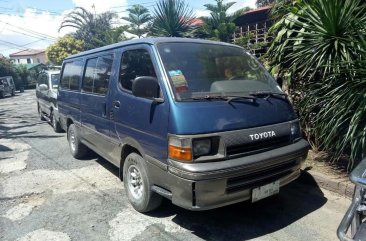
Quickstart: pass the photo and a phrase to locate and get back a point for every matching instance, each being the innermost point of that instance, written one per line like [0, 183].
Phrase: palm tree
[172, 18]
[90, 27]
[138, 17]
[219, 25]
[116, 35]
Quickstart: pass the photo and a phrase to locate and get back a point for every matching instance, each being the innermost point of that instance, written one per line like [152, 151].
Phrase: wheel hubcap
[135, 183]
[72, 140]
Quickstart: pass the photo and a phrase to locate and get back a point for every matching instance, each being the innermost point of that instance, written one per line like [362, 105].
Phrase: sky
[35, 23]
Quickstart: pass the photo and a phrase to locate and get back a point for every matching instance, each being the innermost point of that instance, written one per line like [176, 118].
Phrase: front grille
[257, 147]
[261, 177]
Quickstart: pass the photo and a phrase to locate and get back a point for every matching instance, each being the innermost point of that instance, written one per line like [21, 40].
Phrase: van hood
[199, 117]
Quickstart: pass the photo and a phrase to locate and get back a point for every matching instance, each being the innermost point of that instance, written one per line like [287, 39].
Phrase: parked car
[165, 113]
[46, 92]
[7, 87]
[355, 217]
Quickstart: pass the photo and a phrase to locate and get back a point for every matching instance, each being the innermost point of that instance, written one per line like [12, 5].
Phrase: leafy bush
[320, 44]
[335, 111]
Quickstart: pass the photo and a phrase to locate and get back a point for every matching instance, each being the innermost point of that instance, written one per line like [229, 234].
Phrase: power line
[17, 46]
[29, 31]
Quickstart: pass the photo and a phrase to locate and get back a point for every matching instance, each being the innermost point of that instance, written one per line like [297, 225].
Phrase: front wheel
[41, 117]
[78, 149]
[137, 185]
[55, 124]
[13, 92]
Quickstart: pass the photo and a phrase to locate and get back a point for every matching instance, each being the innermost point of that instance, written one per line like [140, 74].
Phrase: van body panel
[69, 105]
[139, 120]
[199, 117]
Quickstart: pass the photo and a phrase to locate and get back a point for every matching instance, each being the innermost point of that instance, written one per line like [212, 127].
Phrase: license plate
[265, 191]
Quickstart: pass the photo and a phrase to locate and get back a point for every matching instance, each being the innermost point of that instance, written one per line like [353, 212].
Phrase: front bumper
[202, 186]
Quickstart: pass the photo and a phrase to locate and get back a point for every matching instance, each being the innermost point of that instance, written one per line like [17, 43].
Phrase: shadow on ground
[245, 220]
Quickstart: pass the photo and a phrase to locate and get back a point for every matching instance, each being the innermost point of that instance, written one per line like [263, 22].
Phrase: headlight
[295, 131]
[201, 147]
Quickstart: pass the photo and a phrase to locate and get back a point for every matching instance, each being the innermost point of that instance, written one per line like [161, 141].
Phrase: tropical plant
[116, 35]
[63, 48]
[316, 35]
[172, 18]
[337, 110]
[138, 17]
[219, 25]
[261, 3]
[90, 27]
[320, 44]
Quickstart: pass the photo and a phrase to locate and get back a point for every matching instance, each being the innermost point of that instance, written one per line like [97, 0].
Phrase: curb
[340, 185]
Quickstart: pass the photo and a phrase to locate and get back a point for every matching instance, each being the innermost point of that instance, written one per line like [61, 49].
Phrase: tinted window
[55, 79]
[71, 75]
[102, 74]
[89, 75]
[135, 63]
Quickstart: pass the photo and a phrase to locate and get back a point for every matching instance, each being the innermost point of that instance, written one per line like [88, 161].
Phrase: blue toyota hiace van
[201, 123]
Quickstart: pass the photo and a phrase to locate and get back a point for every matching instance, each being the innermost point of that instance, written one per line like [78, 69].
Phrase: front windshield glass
[55, 79]
[199, 70]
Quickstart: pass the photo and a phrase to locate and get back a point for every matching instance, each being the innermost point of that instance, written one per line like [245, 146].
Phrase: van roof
[151, 41]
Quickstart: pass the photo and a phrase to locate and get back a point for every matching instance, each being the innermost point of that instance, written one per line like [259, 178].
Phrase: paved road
[45, 194]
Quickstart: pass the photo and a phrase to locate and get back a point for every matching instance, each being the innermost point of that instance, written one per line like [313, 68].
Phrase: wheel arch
[129, 146]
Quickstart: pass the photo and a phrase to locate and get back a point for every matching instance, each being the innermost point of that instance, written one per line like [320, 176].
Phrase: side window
[71, 75]
[89, 75]
[97, 74]
[102, 74]
[135, 63]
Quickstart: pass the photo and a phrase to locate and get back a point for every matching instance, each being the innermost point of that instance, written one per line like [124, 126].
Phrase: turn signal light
[180, 149]
[180, 153]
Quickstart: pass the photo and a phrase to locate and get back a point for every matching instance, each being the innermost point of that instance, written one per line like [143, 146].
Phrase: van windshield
[197, 70]
[55, 79]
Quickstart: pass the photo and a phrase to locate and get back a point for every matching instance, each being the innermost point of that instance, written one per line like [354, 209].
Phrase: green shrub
[320, 45]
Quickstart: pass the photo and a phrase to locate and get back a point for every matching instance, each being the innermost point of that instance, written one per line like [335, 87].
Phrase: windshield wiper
[232, 98]
[223, 97]
[267, 94]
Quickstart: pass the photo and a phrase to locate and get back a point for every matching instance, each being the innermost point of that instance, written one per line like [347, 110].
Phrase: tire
[13, 92]
[40, 113]
[77, 149]
[137, 185]
[55, 124]
[2, 95]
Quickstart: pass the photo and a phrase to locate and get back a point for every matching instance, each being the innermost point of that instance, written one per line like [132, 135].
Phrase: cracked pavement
[46, 194]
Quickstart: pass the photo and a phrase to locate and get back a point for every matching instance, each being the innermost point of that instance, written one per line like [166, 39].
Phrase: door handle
[116, 104]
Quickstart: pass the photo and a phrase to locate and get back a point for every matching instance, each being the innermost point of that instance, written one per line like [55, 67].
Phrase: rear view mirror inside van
[146, 87]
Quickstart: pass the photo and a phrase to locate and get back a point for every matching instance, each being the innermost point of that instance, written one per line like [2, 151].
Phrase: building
[29, 56]
[254, 24]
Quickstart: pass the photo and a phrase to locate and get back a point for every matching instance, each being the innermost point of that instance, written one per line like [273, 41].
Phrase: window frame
[153, 61]
[60, 87]
[97, 56]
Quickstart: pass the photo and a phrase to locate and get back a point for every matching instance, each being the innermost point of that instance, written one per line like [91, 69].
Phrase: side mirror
[146, 87]
[43, 87]
[279, 81]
